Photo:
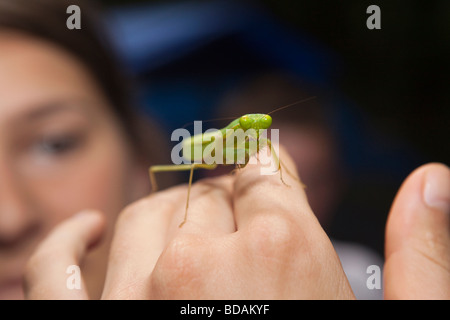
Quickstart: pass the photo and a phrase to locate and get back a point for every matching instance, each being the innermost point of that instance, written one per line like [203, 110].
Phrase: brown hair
[46, 19]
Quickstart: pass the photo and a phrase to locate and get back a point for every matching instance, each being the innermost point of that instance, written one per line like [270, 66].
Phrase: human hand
[260, 241]
[418, 237]
[247, 237]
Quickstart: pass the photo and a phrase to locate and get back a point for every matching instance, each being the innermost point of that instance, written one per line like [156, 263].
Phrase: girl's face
[61, 151]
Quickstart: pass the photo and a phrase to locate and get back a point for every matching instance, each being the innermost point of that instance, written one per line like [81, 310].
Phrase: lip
[10, 276]
[11, 289]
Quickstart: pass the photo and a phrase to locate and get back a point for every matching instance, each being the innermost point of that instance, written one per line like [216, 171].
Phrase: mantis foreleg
[180, 167]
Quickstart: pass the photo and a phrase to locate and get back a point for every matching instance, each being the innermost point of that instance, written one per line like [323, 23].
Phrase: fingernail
[437, 188]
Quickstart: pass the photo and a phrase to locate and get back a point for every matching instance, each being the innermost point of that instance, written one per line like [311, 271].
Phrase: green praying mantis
[210, 147]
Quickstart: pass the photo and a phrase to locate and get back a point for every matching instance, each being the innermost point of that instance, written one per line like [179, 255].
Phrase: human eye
[50, 141]
[57, 144]
[54, 146]
[42, 151]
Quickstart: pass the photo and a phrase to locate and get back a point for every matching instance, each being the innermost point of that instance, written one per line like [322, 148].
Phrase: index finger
[60, 254]
[258, 194]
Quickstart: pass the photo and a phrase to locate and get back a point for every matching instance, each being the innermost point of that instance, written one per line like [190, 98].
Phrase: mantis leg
[174, 167]
[180, 167]
[276, 159]
[236, 152]
[280, 163]
[292, 175]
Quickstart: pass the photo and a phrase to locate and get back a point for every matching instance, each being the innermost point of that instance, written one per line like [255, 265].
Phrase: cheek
[97, 180]
[101, 185]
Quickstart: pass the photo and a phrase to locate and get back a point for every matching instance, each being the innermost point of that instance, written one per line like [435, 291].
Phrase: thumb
[418, 237]
[53, 270]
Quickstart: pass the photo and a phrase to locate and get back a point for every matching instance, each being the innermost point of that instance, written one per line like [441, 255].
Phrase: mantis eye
[245, 122]
[266, 121]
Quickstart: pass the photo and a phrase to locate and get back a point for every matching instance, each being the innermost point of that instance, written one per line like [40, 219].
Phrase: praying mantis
[250, 124]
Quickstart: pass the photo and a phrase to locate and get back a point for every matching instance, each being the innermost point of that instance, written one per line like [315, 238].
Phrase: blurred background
[383, 98]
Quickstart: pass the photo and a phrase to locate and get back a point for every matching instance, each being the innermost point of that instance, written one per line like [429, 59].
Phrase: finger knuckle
[178, 266]
[131, 212]
[434, 248]
[272, 235]
[157, 204]
[134, 214]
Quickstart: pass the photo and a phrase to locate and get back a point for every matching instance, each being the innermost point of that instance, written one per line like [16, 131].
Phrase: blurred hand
[418, 237]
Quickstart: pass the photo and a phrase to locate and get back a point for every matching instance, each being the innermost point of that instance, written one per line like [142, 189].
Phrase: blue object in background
[187, 55]
[151, 38]
[148, 37]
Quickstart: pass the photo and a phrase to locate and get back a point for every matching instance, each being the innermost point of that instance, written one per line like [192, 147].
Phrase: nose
[17, 221]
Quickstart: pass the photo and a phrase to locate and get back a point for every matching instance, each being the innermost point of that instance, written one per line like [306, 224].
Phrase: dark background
[398, 76]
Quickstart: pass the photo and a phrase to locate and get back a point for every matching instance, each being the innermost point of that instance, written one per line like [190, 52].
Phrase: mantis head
[255, 121]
